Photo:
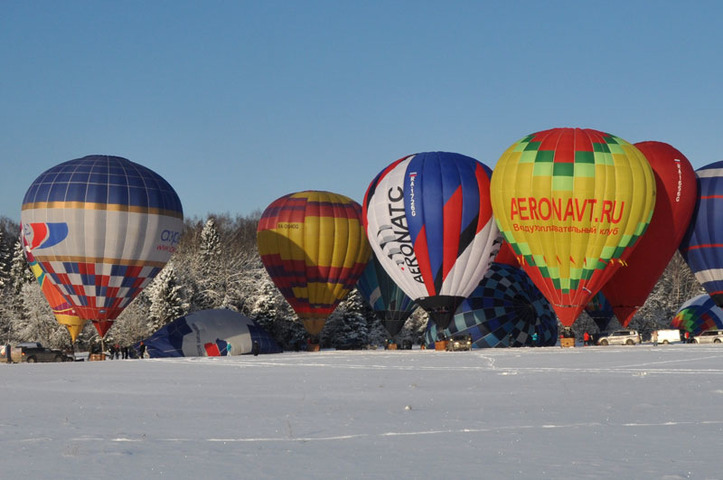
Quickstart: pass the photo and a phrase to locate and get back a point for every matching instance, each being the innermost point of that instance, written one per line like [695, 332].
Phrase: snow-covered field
[593, 412]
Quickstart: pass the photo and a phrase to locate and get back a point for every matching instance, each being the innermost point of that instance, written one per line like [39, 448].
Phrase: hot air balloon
[702, 246]
[572, 202]
[505, 310]
[210, 333]
[389, 302]
[101, 227]
[62, 309]
[507, 256]
[600, 310]
[429, 221]
[698, 315]
[676, 193]
[313, 246]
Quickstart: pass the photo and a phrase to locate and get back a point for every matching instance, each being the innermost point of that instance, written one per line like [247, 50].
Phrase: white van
[667, 336]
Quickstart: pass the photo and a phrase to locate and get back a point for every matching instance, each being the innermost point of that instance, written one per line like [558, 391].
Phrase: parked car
[709, 336]
[31, 352]
[667, 336]
[459, 343]
[619, 337]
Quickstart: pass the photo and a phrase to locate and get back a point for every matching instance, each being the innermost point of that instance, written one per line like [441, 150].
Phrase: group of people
[116, 352]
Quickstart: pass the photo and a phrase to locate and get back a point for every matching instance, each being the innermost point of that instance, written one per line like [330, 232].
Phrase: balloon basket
[96, 357]
[313, 347]
[391, 346]
[567, 342]
[440, 345]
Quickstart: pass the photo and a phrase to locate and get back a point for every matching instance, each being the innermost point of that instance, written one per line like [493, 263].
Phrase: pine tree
[20, 277]
[166, 298]
[5, 261]
[676, 285]
[210, 248]
[20, 273]
[39, 323]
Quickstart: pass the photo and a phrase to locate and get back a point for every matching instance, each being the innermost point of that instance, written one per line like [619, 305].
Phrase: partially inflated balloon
[389, 302]
[429, 221]
[313, 246]
[506, 309]
[676, 193]
[702, 246]
[101, 228]
[698, 315]
[62, 309]
[209, 333]
[600, 310]
[572, 203]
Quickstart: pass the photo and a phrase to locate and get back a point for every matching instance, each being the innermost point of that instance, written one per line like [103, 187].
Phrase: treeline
[217, 266]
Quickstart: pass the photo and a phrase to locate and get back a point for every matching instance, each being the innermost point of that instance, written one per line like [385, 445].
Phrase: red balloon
[676, 186]
[507, 256]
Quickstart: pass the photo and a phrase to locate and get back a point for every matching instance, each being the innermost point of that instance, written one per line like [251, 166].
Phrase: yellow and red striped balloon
[314, 247]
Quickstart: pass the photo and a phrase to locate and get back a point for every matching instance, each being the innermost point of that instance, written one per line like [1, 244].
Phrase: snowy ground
[594, 412]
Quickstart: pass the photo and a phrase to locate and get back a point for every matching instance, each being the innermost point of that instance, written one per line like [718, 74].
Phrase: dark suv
[31, 352]
[459, 342]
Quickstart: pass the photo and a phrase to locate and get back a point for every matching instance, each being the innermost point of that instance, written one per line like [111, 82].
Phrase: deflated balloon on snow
[210, 333]
[101, 228]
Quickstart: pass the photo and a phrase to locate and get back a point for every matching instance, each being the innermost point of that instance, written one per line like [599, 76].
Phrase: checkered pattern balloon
[506, 309]
[101, 228]
[572, 203]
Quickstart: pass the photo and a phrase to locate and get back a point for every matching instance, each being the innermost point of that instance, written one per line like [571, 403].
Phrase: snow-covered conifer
[166, 298]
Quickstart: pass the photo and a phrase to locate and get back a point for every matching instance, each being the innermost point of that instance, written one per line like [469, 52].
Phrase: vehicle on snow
[668, 336]
[32, 352]
[459, 343]
[709, 336]
[619, 337]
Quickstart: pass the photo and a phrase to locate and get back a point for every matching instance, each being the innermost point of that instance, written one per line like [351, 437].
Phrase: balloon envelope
[209, 333]
[62, 309]
[101, 228]
[506, 309]
[702, 246]
[314, 248]
[572, 202]
[676, 193]
[389, 302]
[429, 221]
[698, 315]
[600, 310]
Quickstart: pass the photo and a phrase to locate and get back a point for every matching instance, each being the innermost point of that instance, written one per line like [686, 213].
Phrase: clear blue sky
[236, 103]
